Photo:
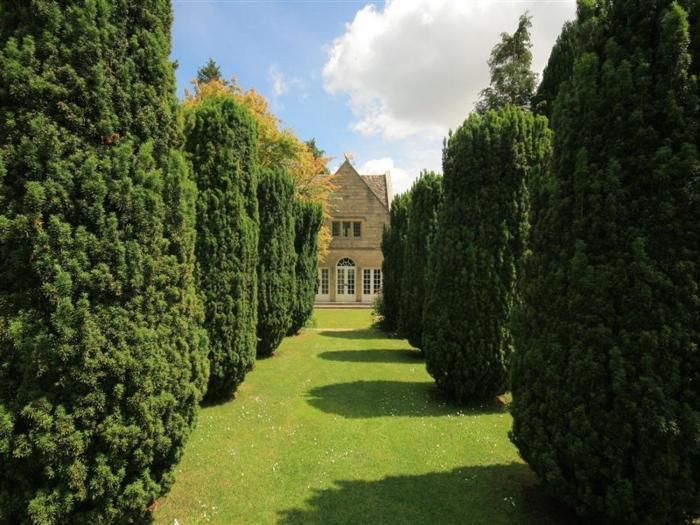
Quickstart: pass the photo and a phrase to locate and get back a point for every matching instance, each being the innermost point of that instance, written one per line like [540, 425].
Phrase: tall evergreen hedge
[426, 197]
[574, 37]
[221, 141]
[102, 357]
[308, 218]
[393, 242]
[606, 380]
[277, 259]
[480, 240]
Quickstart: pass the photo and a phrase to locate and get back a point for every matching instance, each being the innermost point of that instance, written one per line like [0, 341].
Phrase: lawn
[346, 427]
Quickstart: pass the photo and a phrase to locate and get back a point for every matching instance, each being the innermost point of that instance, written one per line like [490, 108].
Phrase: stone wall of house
[354, 201]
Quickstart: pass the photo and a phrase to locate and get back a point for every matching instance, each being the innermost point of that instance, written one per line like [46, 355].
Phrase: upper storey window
[347, 229]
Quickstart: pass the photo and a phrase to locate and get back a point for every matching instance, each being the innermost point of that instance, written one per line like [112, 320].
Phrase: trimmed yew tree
[276, 259]
[426, 197]
[479, 244]
[221, 141]
[393, 242]
[574, 37]
[308, 218]
[606, 379]
[102, 357]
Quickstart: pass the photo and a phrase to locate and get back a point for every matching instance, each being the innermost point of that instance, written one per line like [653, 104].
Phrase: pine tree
[221, 141]
[512, 80]
[606, 380]
[210, 71]
[103, 359]
[276, 259]
[308, 218]
[480, 240]
[426, 197]
[393, 242]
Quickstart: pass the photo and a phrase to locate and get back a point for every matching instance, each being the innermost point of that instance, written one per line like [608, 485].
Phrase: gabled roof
[379, 185]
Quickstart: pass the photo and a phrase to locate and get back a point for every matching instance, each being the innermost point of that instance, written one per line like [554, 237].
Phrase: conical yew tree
[276, 259]
[606, 378]
[102, 358]
[308, 218]
[426, 197]
[480, 240]
[393, 242]
[221, 141]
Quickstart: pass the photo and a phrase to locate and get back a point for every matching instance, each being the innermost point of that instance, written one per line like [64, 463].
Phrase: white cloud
[415, 67]
[279, 84]
[282, 84]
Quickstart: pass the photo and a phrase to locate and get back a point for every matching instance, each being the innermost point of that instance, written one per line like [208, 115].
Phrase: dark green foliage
[606, 380]
[102, 357]
[559, 69]
[393, 242]
[221, 141]
[478, 247]
[276, 282]
[308, 217]
[208, 72]
[575, 36]
[512, 81]
[426, 197]
[316, 152]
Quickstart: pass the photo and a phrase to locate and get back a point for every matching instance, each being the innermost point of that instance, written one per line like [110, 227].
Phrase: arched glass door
[345, 281]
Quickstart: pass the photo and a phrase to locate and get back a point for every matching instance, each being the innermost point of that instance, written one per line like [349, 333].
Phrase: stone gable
[363, 199]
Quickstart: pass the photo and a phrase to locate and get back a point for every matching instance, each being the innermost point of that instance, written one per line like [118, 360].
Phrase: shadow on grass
[360, 333]
[493, 495]
[365, 399]
[373, 356]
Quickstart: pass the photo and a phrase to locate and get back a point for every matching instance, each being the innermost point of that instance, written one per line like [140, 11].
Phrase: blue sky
[382, 81]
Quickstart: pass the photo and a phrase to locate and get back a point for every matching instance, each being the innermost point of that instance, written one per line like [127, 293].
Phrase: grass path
[345, 427]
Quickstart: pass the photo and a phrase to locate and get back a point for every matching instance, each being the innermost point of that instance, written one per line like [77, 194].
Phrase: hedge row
[606, 376]
[577, 257]
[131, 251]
[102, 356]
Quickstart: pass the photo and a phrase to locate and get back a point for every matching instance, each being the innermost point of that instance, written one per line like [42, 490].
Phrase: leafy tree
[276, 281]
[222, 145]
[393, 242]
[426, 197]
[209, 72]
[479, 244]
[102, 356]
[512, 81]
[606, 380]
[308, 217]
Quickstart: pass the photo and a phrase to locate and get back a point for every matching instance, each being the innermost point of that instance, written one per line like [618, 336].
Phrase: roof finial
[348, 156]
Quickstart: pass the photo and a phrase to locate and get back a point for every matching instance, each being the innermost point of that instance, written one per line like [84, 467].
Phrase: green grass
[346, 428]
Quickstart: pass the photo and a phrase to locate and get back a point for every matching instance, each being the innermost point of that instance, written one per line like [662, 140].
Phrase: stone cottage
[351, 272]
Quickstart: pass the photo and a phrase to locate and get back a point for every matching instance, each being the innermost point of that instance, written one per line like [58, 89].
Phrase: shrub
[102, 357]
[393, 241]
[308, 218]
[478, 247]
[606, 380]
[426, 197]
[221, 143]
[276, 282]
